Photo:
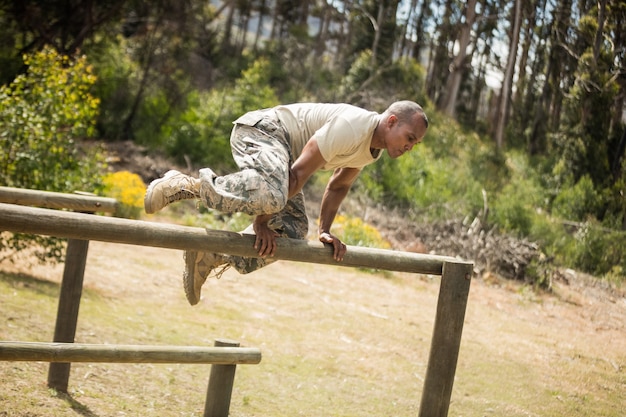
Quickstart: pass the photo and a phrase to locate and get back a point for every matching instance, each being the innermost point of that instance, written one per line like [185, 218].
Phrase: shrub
[578, 202]
[116, 86]
[598, 250]
[403, 79]
[202, 134]
[515, 205]
[353, 231]
[43, 114]
[128, 189]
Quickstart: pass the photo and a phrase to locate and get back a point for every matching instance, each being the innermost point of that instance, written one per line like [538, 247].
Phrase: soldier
[277, 151]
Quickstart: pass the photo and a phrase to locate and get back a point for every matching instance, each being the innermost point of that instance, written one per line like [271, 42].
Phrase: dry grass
[335, 342]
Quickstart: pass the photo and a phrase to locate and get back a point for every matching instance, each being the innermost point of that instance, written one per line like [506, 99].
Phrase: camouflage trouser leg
[260, 149]
[291, 222]
[262, 185]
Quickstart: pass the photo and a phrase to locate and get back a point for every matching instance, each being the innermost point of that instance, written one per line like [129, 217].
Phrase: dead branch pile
[491, 251]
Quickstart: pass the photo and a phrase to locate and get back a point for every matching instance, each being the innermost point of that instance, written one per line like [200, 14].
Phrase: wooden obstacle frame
[79, 227]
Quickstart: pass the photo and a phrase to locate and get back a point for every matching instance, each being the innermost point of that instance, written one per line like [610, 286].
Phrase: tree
[585, 131]
[458, 67]
[43, 114]
[507, 83]
[64, 25]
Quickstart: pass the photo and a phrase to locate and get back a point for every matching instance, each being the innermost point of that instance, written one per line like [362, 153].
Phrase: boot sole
[147, 200]
[188, 277]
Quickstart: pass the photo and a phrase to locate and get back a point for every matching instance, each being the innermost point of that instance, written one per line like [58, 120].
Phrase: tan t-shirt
[343, 132]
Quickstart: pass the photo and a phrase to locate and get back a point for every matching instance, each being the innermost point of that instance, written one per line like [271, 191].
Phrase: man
[277, 151]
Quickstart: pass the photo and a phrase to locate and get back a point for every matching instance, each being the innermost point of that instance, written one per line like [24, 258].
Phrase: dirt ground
[335, 341]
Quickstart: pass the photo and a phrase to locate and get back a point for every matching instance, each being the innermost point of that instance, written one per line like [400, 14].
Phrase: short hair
[405, 110]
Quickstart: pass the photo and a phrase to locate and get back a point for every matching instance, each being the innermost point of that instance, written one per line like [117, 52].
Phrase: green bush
[202, 134]
[578, 202]
[598, 250]
[43, 114]
[116, 86]
[517, 202]
[403, 79]
[434, 181]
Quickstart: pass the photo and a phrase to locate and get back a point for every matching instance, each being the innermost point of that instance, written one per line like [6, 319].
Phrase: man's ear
[392, 120]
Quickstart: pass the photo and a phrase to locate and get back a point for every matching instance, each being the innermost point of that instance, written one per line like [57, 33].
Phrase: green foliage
[117, 81]
[403, 79]
[202, 133]
[43, 113]
[433, 181]
[128, 189]
[512, 212]
[579, 201]
[521, 195]
[447, 175]
[598, 250]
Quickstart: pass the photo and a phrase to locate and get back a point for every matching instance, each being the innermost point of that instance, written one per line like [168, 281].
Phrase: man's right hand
[265, 241]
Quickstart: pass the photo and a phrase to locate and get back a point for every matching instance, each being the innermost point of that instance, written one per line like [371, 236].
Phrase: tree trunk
[322, 35]
[419, 30]
[505, 94]
[226, 41]
[259, 28]
[377, 29]
[402, 49]
[244, 25]
[440, 60]
[458, 66]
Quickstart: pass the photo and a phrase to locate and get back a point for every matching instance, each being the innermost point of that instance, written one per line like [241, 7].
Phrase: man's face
[402, 137]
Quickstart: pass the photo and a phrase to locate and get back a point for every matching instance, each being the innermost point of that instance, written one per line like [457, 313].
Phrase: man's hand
[265, 241]
[339, 248]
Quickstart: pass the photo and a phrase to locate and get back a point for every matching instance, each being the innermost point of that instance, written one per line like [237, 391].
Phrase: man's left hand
[339, 248]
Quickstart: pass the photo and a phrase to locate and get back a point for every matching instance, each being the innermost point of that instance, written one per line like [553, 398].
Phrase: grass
[335, 342]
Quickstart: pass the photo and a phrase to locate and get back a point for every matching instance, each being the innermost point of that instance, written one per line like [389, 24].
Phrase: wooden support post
[69, 303]
[220, 387]
[446, 341]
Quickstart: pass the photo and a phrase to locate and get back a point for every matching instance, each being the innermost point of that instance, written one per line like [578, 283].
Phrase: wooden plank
[53, 200]
[81, 352]
[82, 226]
[446, 341]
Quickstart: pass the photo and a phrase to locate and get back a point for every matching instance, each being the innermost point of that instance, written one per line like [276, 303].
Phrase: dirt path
[335, 341]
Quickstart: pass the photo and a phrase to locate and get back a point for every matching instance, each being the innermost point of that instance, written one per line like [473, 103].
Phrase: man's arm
[309, 161]
[336, 191]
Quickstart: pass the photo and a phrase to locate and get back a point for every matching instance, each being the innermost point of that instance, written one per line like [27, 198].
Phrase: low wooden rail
[75, 260]
[451, 305]
[83, 352]
[142, 233]
[81, 202]
[224, 358]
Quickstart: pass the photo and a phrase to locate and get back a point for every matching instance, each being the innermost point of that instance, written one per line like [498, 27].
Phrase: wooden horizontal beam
[53, 200]
[81, 352]
[71, 225]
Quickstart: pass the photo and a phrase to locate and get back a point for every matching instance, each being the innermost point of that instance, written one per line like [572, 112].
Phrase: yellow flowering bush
[128, 189]
[354, 231]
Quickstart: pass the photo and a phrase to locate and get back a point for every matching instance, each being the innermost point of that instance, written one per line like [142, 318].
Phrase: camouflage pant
[260, 149]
